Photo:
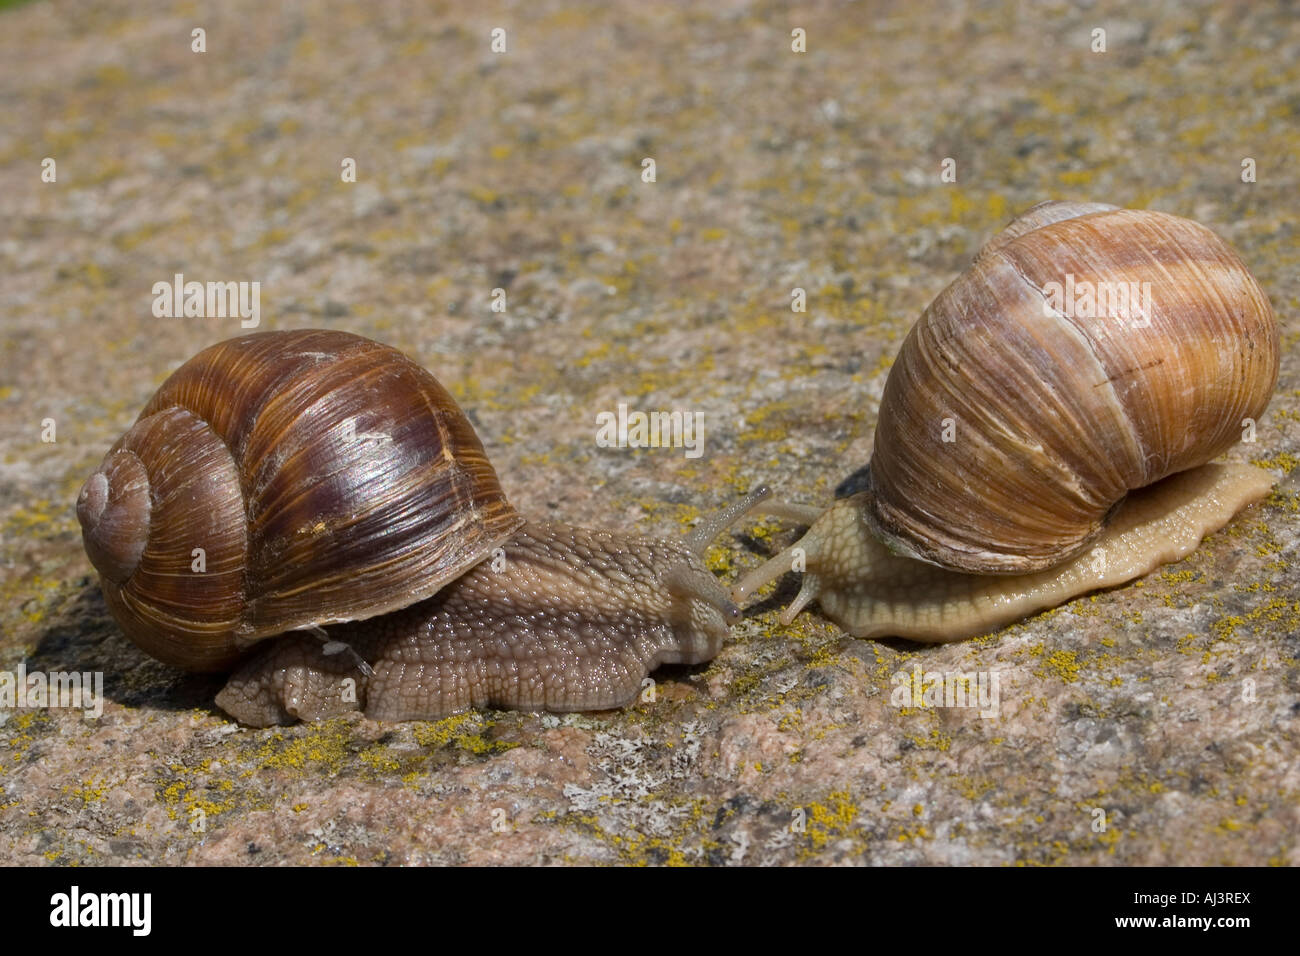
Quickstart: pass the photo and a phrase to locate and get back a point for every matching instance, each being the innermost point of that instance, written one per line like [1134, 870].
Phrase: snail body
[1024, 452]
[568, 619]
[295, 481]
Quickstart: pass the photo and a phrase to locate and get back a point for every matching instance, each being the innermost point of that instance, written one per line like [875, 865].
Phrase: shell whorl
[168, 487]
[113, 509]
[283, 480]
[1055, 417]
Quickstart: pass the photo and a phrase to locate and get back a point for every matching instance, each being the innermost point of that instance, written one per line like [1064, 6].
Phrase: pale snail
[1078, 443]
[285, 481]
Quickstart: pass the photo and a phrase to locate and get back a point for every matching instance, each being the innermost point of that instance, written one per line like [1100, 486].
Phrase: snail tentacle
[698, 541]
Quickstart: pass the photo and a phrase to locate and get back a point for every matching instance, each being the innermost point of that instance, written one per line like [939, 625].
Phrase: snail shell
[324, 476]
[1057, 417]
[1053, 418]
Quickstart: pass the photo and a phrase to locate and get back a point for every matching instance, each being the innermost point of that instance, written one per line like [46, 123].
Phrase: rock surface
[1151, 724]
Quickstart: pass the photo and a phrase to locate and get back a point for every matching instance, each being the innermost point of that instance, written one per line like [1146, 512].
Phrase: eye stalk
[698, 541]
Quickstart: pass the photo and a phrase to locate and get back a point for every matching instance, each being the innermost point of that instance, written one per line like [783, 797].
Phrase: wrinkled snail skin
[1066, 429]
[572, 620]
[331, 482]
[562, 619]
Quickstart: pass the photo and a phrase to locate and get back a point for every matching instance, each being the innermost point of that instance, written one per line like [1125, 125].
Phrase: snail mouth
[114, 510]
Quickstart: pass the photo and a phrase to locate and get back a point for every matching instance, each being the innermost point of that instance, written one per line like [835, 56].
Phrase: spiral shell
[283, 480]
[1052, 417]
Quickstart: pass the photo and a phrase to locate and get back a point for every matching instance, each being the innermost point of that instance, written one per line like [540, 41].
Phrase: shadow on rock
[860, 480]
[82, 636]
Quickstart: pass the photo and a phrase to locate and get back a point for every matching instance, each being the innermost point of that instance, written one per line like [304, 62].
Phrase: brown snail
[1032, 446]
[285, 481]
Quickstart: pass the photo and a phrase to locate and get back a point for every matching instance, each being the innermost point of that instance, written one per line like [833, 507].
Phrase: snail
[1031, 446]
[283, 482]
